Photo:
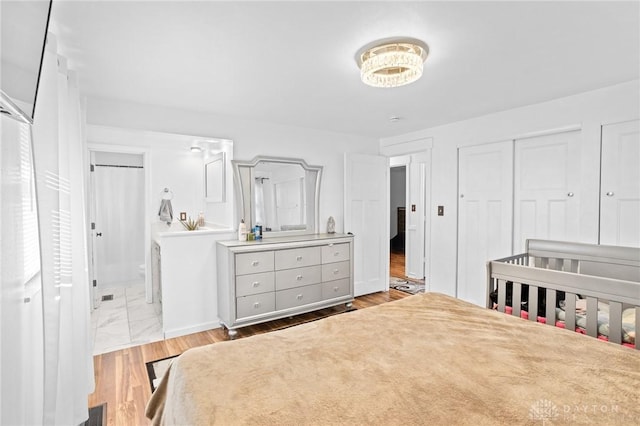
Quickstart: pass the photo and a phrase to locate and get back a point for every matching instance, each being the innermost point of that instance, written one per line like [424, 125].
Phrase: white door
[415, 216]
[546, 188]
[366, 216]
[485, 175]
[620, 184]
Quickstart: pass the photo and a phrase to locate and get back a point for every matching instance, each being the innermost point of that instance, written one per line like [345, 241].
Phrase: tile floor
[127, 320]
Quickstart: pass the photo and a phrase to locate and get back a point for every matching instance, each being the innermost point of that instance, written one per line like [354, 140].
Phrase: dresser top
[309, 238]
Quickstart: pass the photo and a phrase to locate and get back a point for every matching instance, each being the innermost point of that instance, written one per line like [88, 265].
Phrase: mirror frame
[242, 177]
[220, 196]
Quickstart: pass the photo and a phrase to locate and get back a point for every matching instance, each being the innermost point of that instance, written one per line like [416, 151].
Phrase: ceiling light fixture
[195, 148]
[392, 63]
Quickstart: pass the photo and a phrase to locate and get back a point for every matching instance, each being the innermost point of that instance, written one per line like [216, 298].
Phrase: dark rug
[156, 369]
[408, 286]
[97, 415]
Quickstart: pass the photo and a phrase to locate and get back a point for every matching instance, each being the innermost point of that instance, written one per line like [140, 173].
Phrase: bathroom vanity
[279, 277]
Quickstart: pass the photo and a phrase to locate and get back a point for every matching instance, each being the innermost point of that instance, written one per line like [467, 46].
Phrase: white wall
[250, 139]
[171, 165]
[588, 111]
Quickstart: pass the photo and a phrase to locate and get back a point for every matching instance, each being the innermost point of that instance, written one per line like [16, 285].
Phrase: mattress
[425, 359]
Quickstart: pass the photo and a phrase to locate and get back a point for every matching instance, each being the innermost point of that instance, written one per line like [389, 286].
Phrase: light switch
[440, 210]
[183, 215]
[413, 207]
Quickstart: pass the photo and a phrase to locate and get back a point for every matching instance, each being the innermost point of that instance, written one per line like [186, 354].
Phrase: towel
[166, 211]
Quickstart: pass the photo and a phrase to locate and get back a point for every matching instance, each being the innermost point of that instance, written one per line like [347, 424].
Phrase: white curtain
[58, 152]
[120, 218]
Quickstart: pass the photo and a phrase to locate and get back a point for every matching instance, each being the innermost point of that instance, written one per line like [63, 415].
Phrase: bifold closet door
[485, 174]
[546, 188]
[620, 184]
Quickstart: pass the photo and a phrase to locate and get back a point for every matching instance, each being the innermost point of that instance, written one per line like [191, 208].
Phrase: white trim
[176, 332]
[406, 147]
[618, 121]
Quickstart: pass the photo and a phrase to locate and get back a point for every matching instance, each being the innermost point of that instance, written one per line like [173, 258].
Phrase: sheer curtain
[58, 156]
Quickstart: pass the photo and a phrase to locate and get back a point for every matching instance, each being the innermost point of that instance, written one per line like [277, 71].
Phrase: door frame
[399, 154]
[121, 149]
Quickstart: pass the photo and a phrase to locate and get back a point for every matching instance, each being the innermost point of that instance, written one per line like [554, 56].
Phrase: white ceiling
[294, 62]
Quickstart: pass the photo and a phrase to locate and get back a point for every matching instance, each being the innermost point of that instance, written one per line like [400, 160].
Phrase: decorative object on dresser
[264, 280]
[331, 225]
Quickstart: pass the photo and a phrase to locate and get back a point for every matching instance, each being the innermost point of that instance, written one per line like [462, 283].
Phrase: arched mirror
[281, 194]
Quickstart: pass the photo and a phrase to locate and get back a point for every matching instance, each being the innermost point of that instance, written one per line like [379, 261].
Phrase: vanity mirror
[281, 194]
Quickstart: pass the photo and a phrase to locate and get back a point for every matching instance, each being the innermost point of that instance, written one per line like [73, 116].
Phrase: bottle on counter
[242, 231]
[201, 219]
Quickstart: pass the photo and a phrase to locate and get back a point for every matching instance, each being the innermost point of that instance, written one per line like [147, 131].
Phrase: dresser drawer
[336, 271]
[255, 283]
[298, 277]
[335, 253]
[255, 304]
[297, 257]
[298, 296]
[252, 263]
[336, 288]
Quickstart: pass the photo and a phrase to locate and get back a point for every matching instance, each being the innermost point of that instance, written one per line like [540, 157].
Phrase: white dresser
[273, 278]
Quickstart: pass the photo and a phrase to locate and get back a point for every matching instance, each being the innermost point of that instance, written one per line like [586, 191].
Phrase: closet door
[620, 184]
[485, 175]
[546, 188]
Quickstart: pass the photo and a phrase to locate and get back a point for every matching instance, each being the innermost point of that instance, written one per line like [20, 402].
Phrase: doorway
[118, 193]
[408, 224]
[397, 222]
[118, 212]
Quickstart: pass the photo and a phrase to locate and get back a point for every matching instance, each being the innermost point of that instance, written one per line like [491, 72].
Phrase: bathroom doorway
[118, 220]
[122, 314]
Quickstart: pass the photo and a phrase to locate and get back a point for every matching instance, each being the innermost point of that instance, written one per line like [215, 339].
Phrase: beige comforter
[425, 359]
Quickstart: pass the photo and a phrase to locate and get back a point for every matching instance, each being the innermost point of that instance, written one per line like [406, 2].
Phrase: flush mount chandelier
[392, 63]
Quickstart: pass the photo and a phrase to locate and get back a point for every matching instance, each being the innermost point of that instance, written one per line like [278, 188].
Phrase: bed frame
[595, 272]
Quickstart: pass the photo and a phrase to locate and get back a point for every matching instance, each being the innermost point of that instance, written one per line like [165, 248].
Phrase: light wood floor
[396, 265]
[121, 376]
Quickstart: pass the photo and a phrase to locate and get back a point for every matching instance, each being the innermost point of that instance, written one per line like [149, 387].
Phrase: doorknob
[98, 234]
[609, 194]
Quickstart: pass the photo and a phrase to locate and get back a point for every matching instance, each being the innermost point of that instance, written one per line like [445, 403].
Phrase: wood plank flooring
[121, 376]
[396, 264]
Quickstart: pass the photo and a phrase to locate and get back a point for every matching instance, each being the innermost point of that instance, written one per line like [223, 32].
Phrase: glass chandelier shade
[393, 64]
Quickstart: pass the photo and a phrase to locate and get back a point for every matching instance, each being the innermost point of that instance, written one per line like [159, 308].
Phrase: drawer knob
[255, 263]
[256, 305]
[256, 284]
[299, 277]
[299, 297]
[335, 271]
[336, 253]
[299, 258]
[335, 289]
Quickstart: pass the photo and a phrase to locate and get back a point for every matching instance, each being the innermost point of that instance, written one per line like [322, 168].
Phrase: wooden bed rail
[546, 268]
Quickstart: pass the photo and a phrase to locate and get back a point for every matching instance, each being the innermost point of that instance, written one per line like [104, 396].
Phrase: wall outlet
[183, 215]
[440, 210]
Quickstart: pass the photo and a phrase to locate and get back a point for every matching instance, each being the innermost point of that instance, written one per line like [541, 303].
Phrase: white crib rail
[546, 268]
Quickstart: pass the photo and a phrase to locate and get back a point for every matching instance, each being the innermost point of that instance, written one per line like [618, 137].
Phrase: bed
[425, 359]
[592, 289]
